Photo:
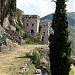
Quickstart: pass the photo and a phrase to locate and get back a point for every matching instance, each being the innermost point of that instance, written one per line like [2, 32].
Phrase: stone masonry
[44, 31]
[31, 24]
[35, 28]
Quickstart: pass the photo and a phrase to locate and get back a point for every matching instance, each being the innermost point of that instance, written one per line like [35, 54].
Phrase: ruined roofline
[31, 16]
[45, 23]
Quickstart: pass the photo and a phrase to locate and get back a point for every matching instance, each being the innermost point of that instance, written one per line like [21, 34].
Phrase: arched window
[32, 24]
[42, 38]
[32, 32]
[40, 28]
[27, 24]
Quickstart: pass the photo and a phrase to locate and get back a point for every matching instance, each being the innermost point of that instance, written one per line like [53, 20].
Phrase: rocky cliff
[11, 20]
[7, 7]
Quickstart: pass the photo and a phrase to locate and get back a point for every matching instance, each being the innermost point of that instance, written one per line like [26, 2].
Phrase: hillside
[12, 23]
[71, 18]
[11, 26]
[71, 14]
[12, 60]
[72, 38]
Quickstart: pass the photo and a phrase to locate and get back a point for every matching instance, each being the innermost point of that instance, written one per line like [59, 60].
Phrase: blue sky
[42, 7]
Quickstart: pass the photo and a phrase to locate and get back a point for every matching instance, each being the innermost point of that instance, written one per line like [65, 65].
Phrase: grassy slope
[9, 64]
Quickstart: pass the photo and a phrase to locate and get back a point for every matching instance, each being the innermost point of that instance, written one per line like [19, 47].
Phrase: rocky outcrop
[20, 13]
[9, 19]
[8, 7]
[14, 36]
[2, 12]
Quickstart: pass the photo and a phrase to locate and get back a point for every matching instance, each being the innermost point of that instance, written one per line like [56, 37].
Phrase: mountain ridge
[71, 18]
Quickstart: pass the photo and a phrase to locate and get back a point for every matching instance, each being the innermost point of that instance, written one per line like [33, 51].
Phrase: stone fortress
[34, 27]
[31, 24]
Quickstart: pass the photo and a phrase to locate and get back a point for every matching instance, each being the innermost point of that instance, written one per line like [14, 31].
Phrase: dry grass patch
[10, 61]
[72, 71]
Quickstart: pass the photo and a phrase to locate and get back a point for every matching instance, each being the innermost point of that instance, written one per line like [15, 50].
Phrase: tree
[35, 57]
[12, 7]
[60, 46]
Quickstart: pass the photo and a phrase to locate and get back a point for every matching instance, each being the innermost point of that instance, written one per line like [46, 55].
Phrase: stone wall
[8, 18]
[31, 24]
[44, 31]
[37, 29]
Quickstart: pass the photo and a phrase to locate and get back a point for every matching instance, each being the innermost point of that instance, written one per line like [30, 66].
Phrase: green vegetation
[72, 38]
[3, 38]
[30, 70]
[29, 40]
[18, 25]
[43, 54]
[35, 57]
[71, 18]
[10, 61]
[13, 8]
[60, 46]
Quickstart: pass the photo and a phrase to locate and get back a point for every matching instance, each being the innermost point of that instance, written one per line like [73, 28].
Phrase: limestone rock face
[7, 7]
[4, 10]
[9, 19]
[14, 36]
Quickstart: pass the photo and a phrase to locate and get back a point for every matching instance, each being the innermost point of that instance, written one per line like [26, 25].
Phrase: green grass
[30, 40]
[72, 71]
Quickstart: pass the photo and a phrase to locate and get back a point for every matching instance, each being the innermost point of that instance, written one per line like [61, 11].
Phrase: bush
[43, 54]
[3, 38]
[30, 41]
[35, 57]
[25, 36]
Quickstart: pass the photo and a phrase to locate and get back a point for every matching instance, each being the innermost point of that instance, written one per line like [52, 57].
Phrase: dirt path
[10, 61]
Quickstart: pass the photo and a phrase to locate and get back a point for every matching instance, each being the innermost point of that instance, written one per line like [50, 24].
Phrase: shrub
[3, 38]
[35, 57]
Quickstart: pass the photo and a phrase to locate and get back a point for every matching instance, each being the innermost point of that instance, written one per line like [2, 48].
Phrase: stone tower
[31, 24]
[45, 30]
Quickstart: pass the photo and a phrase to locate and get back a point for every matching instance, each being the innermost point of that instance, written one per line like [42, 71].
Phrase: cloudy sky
[41, 7]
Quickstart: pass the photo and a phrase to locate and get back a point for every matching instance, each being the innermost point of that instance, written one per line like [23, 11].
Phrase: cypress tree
[60, 46]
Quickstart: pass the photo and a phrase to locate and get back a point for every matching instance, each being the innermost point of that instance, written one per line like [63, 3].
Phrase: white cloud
[70, 5]
[39, 7]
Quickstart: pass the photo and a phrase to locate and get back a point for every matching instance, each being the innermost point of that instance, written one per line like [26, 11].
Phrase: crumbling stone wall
[31, 24]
